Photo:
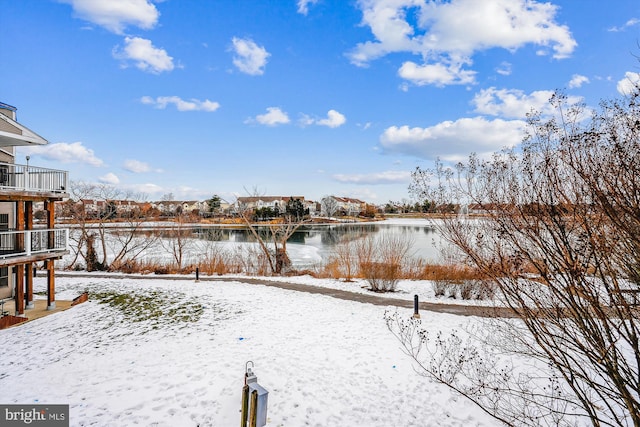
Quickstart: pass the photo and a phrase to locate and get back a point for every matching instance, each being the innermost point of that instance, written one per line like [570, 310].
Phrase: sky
[189, 98]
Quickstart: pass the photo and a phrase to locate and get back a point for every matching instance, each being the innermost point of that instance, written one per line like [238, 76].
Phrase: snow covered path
[471, 308]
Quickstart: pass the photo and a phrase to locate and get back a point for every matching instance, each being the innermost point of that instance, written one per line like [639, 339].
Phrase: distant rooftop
[8, 107]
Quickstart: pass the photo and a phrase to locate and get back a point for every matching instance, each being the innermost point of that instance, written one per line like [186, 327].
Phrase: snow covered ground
[325, 362]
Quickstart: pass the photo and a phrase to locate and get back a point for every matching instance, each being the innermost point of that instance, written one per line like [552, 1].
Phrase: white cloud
[447, 34]
[578, 80]
[363, 194]
[436, 74]
[64, 152]
[629, 84]
[630, 23]
[274, 116]
[387, 177]
[145, 56]
[334, 119]
[453, 140]
[249, 57]
[147, 189]
[511, 103]
[504, 69]
[303, 5]
[161, 102]
[306, 120]
[115, 15]
[109, 178]
[136, 166]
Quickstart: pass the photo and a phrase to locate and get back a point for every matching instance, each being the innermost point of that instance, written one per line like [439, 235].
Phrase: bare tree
[329, 206]
[87, 223]
[124, 243]
[560, 239]
[276, 232]
[129, 241]
[178, 240]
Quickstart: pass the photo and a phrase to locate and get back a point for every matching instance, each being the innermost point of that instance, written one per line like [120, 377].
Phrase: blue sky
[296, 97]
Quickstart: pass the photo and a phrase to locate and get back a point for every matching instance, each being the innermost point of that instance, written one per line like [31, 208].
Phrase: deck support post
[19, 289]
[51, 286]
[28, 222]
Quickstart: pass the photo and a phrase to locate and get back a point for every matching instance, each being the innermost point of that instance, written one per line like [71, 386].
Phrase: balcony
[31, 179]
[32, 245]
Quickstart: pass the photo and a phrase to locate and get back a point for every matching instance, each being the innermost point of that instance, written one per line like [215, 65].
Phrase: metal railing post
[27, 242]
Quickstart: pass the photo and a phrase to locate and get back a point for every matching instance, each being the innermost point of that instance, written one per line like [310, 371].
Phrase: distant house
[225, 208]
[92, 208]
[190, 206]
[313, 207]
[96, 208]
[345, 205]
[125, 206]
[259, 202]
[173, 207]
[21, 243]
[167, 207]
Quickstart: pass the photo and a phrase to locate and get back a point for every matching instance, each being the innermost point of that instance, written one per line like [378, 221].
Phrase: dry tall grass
[381, 261]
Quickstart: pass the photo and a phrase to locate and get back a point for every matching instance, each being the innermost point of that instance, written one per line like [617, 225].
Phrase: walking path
[457, 309]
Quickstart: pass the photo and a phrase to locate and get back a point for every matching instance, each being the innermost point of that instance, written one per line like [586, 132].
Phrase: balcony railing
[32, 178]
[33, 242]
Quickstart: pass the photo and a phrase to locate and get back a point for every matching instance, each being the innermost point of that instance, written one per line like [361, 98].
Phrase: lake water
[312, 244]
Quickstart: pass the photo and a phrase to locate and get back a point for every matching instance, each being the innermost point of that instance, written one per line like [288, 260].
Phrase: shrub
[464, 289]
[442, 288]
[381, 260]
[382, 277]
[344, 256]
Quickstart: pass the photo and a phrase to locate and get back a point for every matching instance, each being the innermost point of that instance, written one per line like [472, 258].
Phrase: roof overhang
[28, 137]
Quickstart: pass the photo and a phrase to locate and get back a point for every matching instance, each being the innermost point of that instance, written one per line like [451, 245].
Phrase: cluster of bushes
[385, 260]
[241, 260]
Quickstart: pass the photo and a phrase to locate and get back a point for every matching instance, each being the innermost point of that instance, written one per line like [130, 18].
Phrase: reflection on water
[426, 240]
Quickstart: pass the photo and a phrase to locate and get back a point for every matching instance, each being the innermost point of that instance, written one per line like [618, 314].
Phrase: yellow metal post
[245, 406]
[253, 410]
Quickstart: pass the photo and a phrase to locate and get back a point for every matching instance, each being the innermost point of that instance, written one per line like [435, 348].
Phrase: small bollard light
[416, 313]
[254, 400]
[197, 274]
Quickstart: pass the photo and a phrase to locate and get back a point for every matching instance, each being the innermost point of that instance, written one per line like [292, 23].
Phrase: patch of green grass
[154, 306]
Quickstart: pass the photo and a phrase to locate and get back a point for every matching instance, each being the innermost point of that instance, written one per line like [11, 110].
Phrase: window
[4, 277]
[6, 240]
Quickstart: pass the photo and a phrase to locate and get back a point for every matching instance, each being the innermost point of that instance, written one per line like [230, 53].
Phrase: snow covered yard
[177, 358]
